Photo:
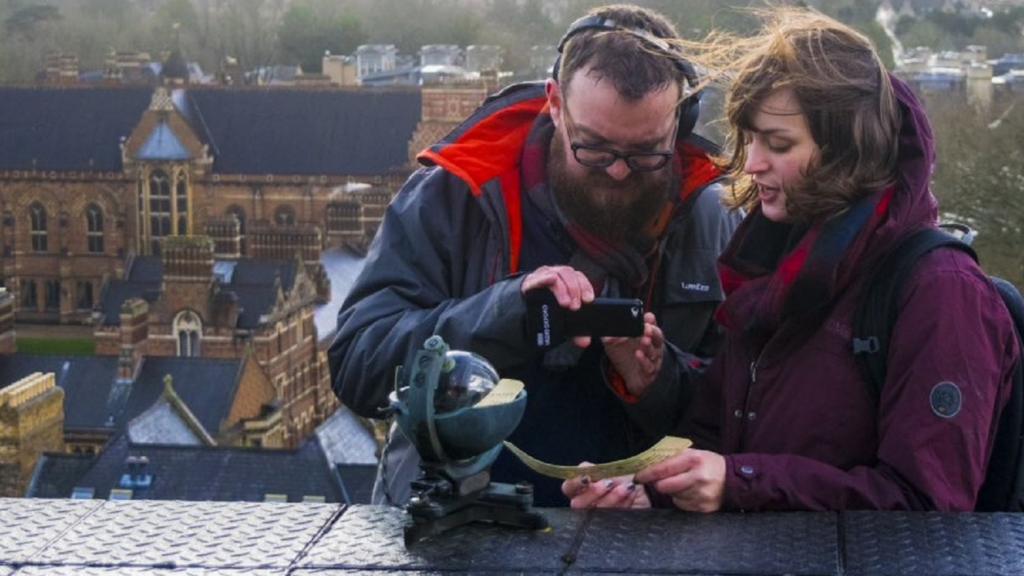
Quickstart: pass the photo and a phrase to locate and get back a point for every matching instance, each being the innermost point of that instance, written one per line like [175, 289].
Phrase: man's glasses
[598, 157]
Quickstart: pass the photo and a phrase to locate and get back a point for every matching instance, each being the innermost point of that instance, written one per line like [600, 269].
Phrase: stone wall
[31, 422]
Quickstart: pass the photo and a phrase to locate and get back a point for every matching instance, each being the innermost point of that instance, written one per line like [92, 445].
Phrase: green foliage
[309, 29]
[943, 31]
[57, 346]
[174, 21]
[26, 22]
[980, 175]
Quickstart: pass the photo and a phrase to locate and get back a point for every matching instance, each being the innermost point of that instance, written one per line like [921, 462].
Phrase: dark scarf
[626, 264]
[786, 275]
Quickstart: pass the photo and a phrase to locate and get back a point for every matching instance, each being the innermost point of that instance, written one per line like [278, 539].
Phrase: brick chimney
[134, 335]
[31, 422]
[7, 338]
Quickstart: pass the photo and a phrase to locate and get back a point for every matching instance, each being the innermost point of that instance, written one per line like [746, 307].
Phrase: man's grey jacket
[445, 261]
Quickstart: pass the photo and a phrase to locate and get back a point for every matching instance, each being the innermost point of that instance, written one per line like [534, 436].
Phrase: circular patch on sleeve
[946, 400]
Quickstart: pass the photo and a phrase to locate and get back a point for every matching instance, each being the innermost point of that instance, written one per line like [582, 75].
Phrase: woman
[833, 157]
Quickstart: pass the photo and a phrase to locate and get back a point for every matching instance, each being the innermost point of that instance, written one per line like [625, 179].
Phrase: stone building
[93, 177]
[31, 420]
[189, 222]
[187, 304]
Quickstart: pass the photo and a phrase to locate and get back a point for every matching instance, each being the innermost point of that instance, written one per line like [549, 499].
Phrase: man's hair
[633, 65]
[845, 93]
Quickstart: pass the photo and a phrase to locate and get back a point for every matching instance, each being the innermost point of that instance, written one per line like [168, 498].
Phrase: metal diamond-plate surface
[141, 571]
[934, 543]
[28, 524]
[371, 538]
[184, 534]
[398, 572]
[666, 541]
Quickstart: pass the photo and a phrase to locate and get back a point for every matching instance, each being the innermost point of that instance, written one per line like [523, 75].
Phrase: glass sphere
[465, 379]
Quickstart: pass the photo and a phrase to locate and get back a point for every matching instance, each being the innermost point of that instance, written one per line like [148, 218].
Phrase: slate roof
[268, 131]
[94, 401]
[161, 423]
[207, 386]
[346, 440]
[357, 481]
[252, 282]
[56, 475]
[358, 132]
[342, 268]
[86, 380]
[202, 473]
[67, 129]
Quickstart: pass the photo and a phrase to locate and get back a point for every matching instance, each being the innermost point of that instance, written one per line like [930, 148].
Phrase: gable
[162, 144]
[364, 132]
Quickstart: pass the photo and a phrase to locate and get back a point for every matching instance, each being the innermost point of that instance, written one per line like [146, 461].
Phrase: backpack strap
[880, 300]
[1004, 481]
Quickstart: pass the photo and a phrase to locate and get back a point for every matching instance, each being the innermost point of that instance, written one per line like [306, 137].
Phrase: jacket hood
[489, 142]
[913, 205]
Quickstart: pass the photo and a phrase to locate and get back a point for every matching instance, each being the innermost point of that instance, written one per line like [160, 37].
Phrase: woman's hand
[695, 479]
[618, 492]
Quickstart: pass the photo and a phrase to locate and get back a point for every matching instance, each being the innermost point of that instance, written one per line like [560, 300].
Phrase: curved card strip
[504, 392]
[666, 447]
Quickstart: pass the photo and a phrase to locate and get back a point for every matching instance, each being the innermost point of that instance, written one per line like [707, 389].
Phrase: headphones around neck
[689, 108]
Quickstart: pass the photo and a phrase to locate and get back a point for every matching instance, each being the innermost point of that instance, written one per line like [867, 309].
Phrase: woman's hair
[841, 87]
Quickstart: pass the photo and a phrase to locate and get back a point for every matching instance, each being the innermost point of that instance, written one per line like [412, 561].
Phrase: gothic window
[182, 204]
[94, 230]
[84, 295]
[188, 328]
[284, 216]
[29, 297]
[37, 215]
[53, 295]
[159, 208]
[343, 217]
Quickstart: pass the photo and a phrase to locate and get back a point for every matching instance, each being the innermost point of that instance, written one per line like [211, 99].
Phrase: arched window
[159, 208]
[182, 201]
[37, 214]
[94, 228]
[237, 212]
[284, 216]
[188, 329]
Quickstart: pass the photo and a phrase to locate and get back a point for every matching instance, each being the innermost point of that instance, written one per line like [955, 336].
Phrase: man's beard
[620, 212]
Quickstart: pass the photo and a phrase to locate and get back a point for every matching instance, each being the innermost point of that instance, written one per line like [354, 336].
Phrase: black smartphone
[548, 324]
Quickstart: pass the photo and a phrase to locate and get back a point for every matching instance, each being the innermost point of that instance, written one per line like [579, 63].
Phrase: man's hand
[618, 492]
[638, 360]
[570, 286]
[695, 479]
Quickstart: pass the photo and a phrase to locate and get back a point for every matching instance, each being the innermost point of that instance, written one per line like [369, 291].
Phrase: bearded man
[589, 184]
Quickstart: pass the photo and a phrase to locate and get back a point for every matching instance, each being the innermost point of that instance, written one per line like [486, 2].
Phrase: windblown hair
[842, 89]
[633, 65]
